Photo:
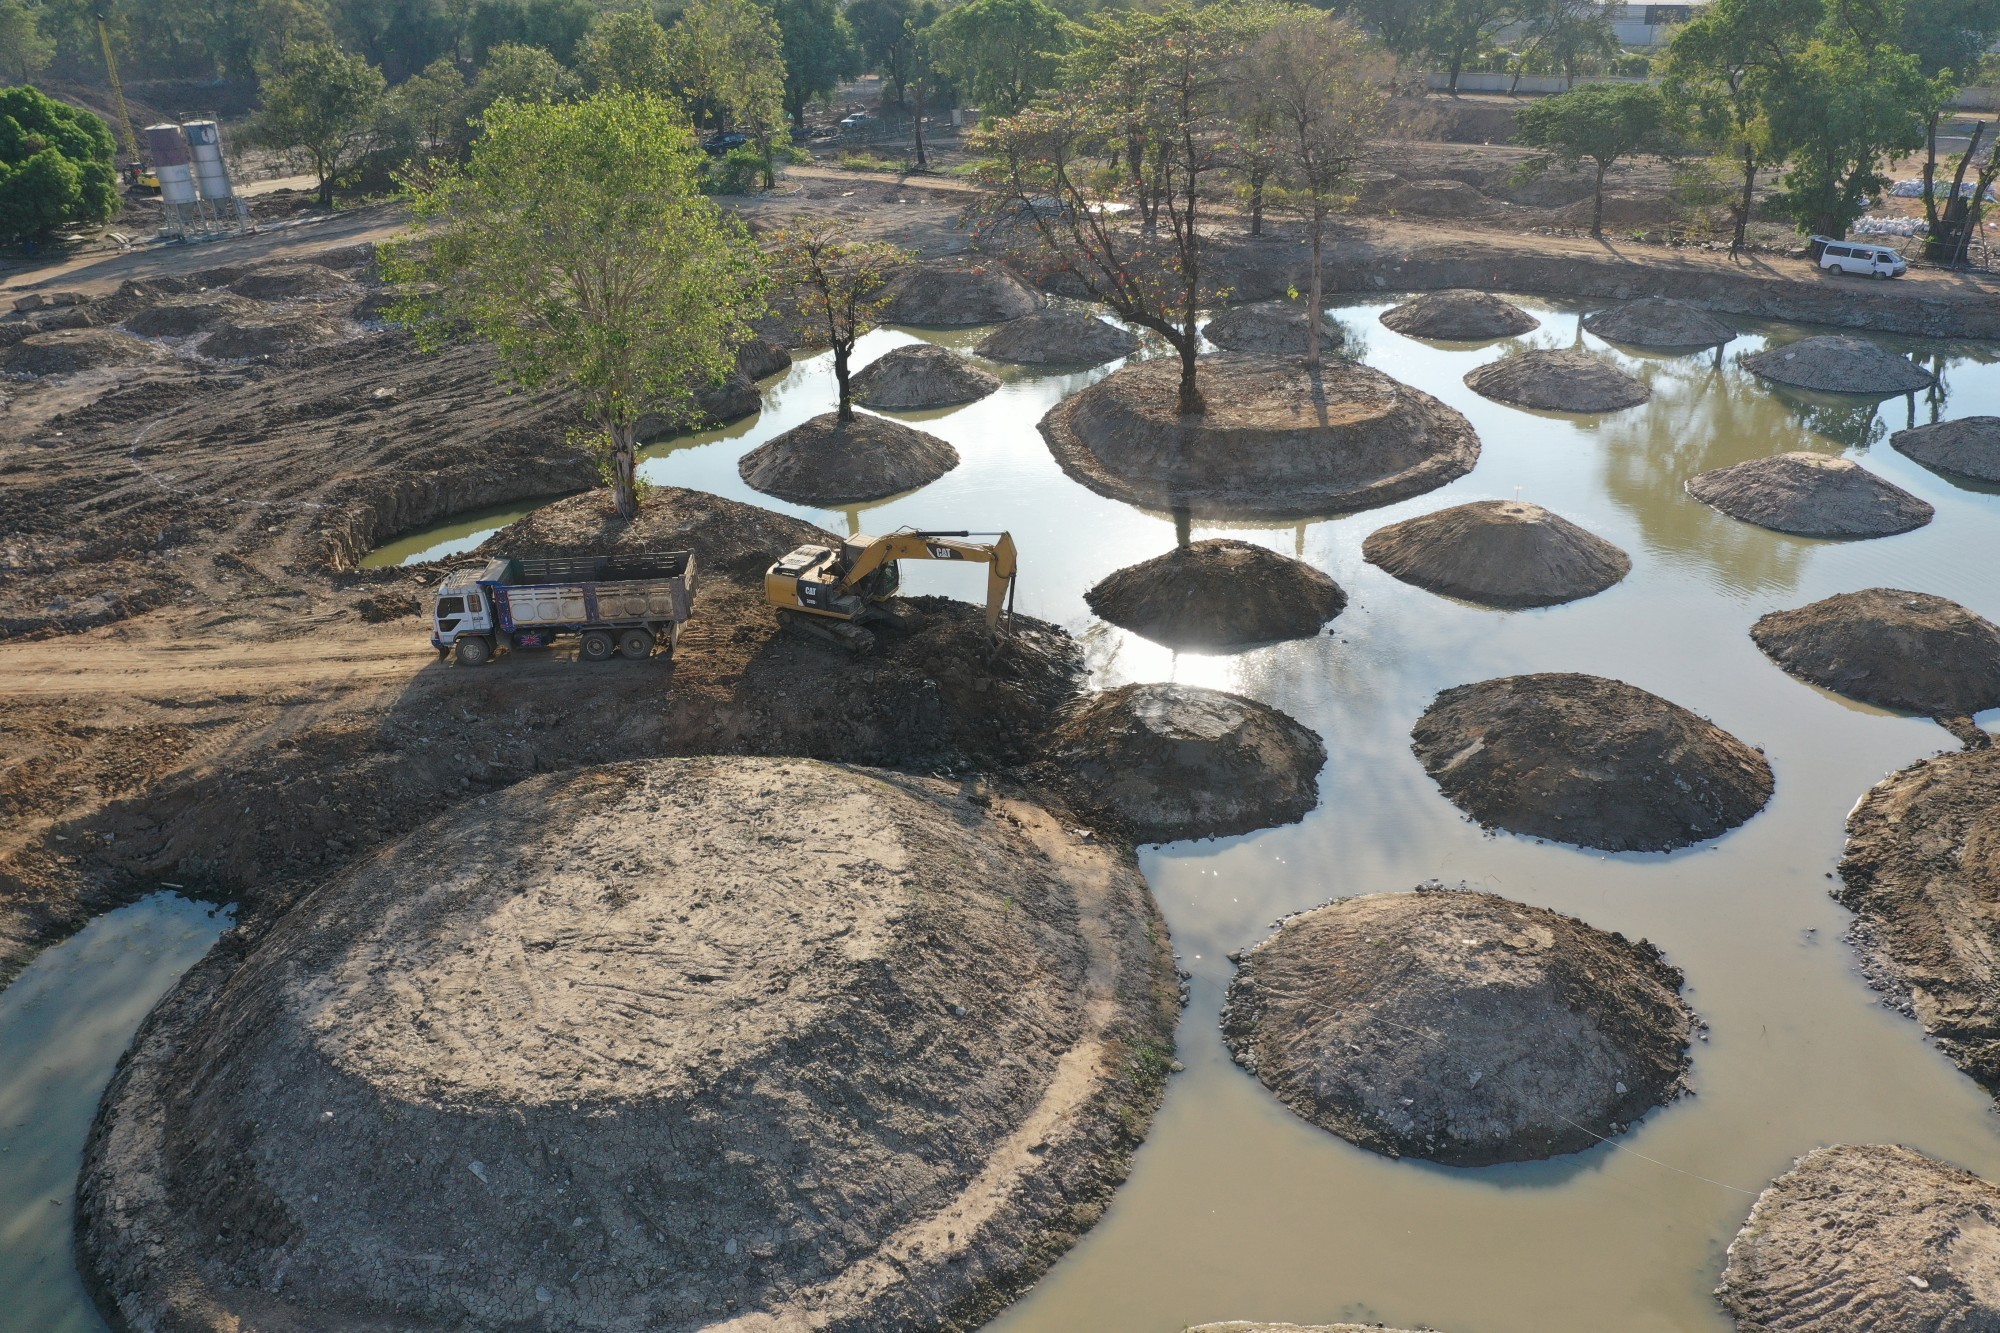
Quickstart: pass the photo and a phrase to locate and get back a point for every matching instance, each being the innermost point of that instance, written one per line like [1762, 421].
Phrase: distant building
[1652, 25]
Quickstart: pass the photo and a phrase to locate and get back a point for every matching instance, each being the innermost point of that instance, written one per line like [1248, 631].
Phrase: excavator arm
[997, 555]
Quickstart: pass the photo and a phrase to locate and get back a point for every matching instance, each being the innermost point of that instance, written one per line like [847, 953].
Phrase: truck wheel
[594, 646]
[636, 644]
[472, 651]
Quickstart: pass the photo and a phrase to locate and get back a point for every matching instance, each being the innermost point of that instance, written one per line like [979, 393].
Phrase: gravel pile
[1057, 338]
[1891, 648]
[1659, 321]
[1968, 447]
[956, 293]
[922, 375]
[1271, 328]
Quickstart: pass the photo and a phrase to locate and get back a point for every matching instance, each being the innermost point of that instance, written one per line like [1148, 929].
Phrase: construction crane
[135, 170]
[834, 593]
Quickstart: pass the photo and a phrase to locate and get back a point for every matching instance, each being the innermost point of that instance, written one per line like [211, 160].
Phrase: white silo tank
[172, 163]
[205, 143]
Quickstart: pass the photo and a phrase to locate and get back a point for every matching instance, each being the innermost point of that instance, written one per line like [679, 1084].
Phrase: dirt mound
[761, 358]
[280, 282]
[232, 341]
[730, 398]
[1810, 495]
[181, 319]
[1219, 593]
[1840, 364]
[1891, 648]
[1565, 381]
[1459, 1027]
[1177, 761]
[827, 461]
[1874, 1239]
[68, 351]
[1588, 761]
[633, 1046]
[1459, 316]
[1659, 321]
[1270, 328]
[1439, 199]
[729, 539]
[955, 293]
[1923, 855]
[1505, 553]
[922, 375]
[1057, 338]
[1968, 447]
[1623, 210]
[1274, 443]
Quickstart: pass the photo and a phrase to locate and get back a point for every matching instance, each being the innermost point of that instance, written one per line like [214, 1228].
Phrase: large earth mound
[1923, 856]
[1891, 648]
[1589, 761]
[1840, 364]
[650, 1045]
[68, 351]
[1459, 316]
[1271, 328]
[1459, 1027]
[278, 282]
[1810, 495]
[180, 319]
[1275, 442]
[1444, 198]
[1506, 553]
[922, 375]
[1659, 321]
[1057, 338]
[1564, 381]
[1219, 593]
[1178, 761]
[1867, 1239]
[1968, 447]
[955, 293]
[234, 341]
[827, 461]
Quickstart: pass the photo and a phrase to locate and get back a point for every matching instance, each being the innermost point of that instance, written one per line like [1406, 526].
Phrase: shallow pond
[1235, 1208]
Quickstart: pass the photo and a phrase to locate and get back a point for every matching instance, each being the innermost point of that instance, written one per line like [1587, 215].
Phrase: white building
[1652, 25]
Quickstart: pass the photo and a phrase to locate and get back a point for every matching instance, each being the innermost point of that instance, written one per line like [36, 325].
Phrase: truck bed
[652, 588]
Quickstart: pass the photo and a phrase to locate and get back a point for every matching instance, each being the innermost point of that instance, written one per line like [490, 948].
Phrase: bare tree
[832, 288]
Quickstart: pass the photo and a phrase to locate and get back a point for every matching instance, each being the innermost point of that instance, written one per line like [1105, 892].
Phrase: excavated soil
[1439, 199]
[1459, 316]
[1564, 381]
[1840, 365]
[1923, 855]
[1271, 328]
[1588, 761]
[1659, 321]
[1276, 441]
[1505, 553]
[1166, 762]
[1057, 338]
[284, 282]
[1867, 1239]
[1218, 594]
[761, 358]
[1810, 495]
[69, 351]
[922, 375]
[232, 341]
[181, 319]
[957, 293]
[1891, 648]
[1459, 1027]
[827, 461]
[640, 1045]
[1968, 447]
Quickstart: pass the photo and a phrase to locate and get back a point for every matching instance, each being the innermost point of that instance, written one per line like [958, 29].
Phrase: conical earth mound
[1218, 593]
[233, 341]
[1968, 447]
[827, 461]
[280, 282]
[922, 375]
[1874, 1239]
[1271, 328]
[1457, 316]
[1659, 321]
[1179, 761]
[1057, 338]
[955, 293]
[1891, 648]
[1506, 553]
[645, 1046]
[180, 319]
[1564, 381]
[1274, 442]
[1810, 495]
[1839, 364]
[1589, 761]
[1459, 1027]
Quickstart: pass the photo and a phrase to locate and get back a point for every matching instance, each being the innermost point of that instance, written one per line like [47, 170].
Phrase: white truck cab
[1864, 258]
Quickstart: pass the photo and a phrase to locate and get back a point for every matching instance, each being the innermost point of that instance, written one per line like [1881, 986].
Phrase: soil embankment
[923, 375]
[1218, 594]
[1656, 321]
[1840, 365]
[1271, 328]
[1058, 338]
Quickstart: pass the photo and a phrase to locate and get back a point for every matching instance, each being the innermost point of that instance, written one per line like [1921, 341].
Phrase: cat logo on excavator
[833, 593]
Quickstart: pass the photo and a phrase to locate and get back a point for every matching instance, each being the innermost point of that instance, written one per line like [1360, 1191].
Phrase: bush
[738, 172]
[57, 167]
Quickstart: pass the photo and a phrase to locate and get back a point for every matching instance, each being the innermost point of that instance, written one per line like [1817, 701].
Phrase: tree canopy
[1000, 53]
[1599, 123]
[57, 166]
[321, 104]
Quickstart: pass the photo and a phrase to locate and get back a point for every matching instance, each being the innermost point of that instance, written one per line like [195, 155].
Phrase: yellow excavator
[833, 593]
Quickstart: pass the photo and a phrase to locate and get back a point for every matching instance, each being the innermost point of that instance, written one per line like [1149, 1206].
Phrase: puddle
[453, 538]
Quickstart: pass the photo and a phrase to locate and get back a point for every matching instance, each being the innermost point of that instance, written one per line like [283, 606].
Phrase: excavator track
[838, 633]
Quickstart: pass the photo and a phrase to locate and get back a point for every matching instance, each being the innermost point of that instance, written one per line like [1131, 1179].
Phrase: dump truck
[631, 604]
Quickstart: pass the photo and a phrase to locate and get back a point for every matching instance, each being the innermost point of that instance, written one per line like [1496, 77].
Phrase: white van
[1862, 257]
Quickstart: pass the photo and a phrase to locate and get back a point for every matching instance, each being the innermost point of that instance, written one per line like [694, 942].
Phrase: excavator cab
[834, 593]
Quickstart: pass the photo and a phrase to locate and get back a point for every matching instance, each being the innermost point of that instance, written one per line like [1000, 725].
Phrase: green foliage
[57, 166]
[628, 52]
[556, 26]
[819, 51]
[425, 116]
[398, 37]
[1599, 123]
[1949, 36]
[1456, 29]
[321, 105]
[24, 49]
[1000, 53]
[729, 65]
[737, 171]
[831, 288]
[517, 73]
[577, 241]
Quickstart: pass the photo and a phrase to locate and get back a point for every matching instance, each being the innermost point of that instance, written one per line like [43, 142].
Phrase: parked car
[856, 121]
[1859, 257]
[718, 144]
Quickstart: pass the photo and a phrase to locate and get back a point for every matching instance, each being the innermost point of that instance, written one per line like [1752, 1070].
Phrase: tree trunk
[624, 469]
[841, 351]
[1930, 171]
[917, 123]
[1457, 59]
[1316, 297]
[1257, 204]
[1597, 205]
[1749, 194]
[1190, 403]
[326, 187]
[1947, 245]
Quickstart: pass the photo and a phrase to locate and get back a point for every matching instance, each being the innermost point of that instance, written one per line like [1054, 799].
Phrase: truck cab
[460, 607]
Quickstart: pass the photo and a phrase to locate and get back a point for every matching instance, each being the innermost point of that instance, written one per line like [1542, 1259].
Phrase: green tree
[321, 105]
[27, 51]
[728, 61]
[577, 241]
[1561, 35]
[57, 166]
[398, 37]
[521, 74]
[1949, 38]
[1402, 26]
[833, 288]
[557, 26]
[886, 38]
[1599, 123]
[628, 52]
[1000, 53]
[425, 116]
[1457, 28]
[819, 52]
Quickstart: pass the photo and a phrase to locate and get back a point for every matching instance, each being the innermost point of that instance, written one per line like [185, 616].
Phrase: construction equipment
[834, 593]
[629, 604]
[134, 170]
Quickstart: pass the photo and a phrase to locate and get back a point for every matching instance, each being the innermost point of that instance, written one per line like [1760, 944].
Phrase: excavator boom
[816, 588]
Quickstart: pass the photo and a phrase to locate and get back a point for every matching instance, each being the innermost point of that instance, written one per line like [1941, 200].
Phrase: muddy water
[1236, 1209]
[63, 1024]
